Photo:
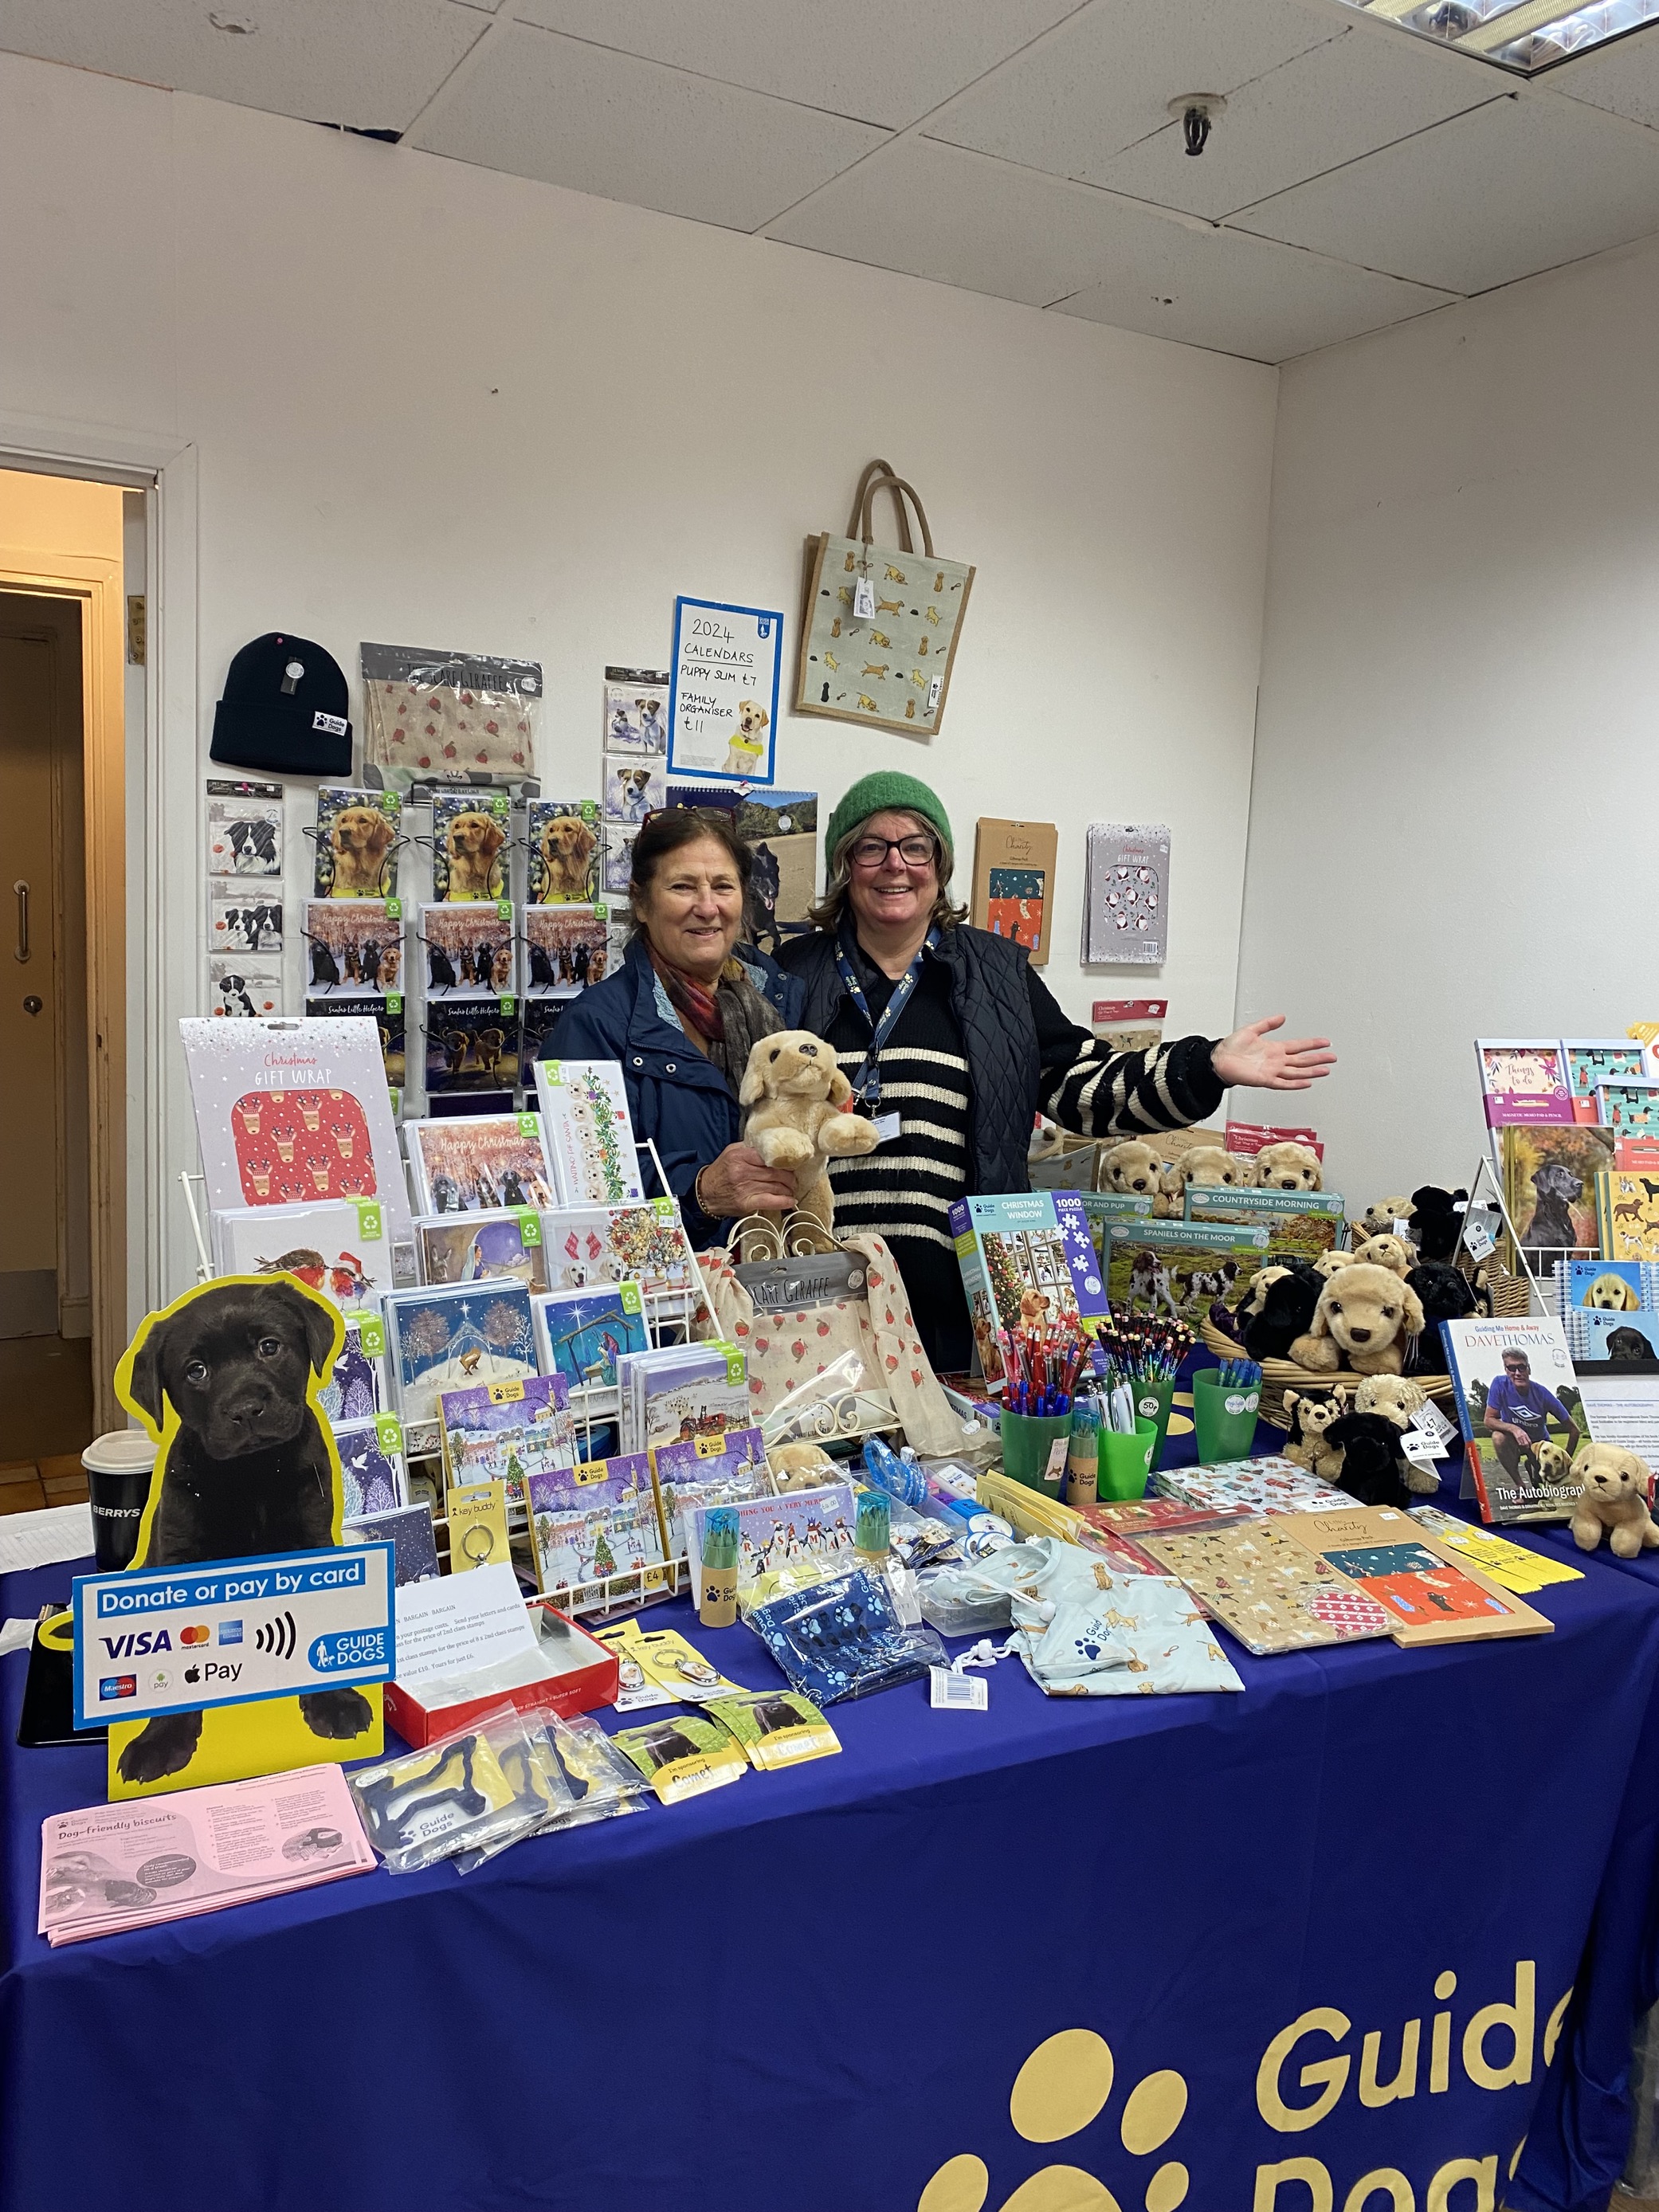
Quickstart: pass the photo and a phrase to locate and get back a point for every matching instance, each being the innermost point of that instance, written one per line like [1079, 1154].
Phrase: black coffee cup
[117, 1496]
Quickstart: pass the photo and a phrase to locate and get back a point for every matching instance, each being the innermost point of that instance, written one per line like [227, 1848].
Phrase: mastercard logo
[193, 1635]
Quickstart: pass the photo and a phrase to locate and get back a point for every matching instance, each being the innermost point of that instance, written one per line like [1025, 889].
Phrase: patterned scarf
[729, 1018]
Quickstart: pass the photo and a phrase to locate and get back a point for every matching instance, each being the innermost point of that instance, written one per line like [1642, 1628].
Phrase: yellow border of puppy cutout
[269, 1737]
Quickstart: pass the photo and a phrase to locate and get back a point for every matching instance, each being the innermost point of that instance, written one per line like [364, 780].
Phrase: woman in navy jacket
[681, 1014]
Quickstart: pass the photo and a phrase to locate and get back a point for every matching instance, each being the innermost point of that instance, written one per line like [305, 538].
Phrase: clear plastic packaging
[845, 1639]
[576, 1771]
[475, 1790]
[454, 717]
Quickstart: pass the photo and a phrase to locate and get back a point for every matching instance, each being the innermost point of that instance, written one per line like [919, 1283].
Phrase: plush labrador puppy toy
[222, 1379]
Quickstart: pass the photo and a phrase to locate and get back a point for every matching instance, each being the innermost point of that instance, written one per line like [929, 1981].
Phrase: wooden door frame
[148, 884]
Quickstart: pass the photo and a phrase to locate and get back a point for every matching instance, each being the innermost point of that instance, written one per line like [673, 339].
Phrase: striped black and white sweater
[904, 1192]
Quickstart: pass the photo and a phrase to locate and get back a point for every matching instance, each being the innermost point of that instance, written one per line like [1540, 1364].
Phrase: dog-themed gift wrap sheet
[289, 1113]
[723, 704]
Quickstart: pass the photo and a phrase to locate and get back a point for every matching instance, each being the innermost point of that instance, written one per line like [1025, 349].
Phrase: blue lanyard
[867, 1088]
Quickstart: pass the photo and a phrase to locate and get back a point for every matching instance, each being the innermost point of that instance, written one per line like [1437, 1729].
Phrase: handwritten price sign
[723, 704]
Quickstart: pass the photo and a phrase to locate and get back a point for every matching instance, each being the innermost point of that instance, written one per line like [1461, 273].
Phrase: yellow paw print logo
[1062, 2087]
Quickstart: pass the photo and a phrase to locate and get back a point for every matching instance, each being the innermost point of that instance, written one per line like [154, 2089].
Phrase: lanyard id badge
[867, 1086]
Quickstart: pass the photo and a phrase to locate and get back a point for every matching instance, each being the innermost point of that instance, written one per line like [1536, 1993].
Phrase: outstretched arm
[1255, 1060]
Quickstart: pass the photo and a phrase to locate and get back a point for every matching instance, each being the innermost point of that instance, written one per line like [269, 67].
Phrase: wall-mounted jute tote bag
[880, 623]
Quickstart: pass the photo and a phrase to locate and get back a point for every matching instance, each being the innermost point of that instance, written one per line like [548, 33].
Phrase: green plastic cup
[1225, 1419]
[1125, 1461]
[1153, 1403]
[1028, 1442]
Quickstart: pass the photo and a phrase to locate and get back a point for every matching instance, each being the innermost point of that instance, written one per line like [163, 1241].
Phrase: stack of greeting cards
[681, 1391]
[592, 1523]
[590, 1135]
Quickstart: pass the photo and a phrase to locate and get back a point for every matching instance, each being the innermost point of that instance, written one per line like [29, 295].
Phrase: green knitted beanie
[875, 794]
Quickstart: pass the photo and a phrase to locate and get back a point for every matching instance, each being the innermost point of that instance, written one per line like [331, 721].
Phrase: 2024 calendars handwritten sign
[174, 1639]
[723, 705]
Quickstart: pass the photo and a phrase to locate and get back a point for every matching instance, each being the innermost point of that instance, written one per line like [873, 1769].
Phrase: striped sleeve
[1087, 1087]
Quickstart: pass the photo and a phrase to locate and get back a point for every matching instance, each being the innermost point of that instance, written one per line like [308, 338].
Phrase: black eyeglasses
[915, 851]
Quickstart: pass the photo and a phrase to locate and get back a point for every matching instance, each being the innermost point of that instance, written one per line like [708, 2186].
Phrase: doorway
[62, 969]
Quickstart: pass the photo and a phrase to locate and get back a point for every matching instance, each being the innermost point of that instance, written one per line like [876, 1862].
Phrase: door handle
[20, 950]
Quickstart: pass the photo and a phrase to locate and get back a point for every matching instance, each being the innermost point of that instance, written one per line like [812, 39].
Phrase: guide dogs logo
[278, 1638]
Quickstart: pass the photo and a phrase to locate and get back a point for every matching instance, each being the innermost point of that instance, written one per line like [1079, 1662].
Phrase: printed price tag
[886, 1127]
[1481, 1233]
[1432, 1422]
[963, 1693]
[864, 600]
[1056, 1466]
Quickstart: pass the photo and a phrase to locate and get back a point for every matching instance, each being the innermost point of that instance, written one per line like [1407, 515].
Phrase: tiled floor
[26, 1483]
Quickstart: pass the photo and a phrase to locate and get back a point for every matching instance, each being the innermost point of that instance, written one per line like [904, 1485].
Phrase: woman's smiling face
[892, 891]
[692, 908]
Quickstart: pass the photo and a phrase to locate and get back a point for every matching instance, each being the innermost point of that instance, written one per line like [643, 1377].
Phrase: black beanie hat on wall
[284, 711]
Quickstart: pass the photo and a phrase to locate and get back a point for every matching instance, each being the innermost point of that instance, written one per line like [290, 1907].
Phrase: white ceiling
[1022, 148]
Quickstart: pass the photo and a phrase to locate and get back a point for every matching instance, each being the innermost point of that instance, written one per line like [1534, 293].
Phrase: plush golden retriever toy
[473, 841]
[1391, 1395]
[1380, 1215]
[1365, 1315]
[1328, 1263]
[799, 1465]
[1209, 1165]
[1289, 1167]
[1391, 1252]
[1614, 1487]
[1133, 1168]
[359, 838]
[1613, 1294]
[567, 845]
[797, 1095]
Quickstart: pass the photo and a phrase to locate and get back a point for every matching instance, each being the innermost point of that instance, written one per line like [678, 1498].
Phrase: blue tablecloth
[817, 1990]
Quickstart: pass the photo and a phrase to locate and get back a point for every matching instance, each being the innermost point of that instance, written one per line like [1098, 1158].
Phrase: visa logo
[138, 1643]
[118, 1686]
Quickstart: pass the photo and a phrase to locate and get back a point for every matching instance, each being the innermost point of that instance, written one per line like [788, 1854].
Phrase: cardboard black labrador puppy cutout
[226, 1380]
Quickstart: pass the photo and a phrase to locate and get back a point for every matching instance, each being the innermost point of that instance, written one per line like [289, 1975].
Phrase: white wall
[431, 405]
[1456, 821]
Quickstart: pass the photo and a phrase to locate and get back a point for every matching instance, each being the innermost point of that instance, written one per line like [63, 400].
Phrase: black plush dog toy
[1436, 1223]
[1280, 1308]
[247, 1470]
[1373, 1465]
[1445, 1296]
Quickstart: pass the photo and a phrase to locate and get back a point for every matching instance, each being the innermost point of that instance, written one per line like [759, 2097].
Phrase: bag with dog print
[880, 623]
[448, 717]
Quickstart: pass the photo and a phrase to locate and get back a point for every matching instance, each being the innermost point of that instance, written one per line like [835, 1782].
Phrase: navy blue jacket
[676, 1094]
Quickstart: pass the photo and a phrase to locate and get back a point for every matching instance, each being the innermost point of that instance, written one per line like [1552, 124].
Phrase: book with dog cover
[1430, 1595]
[1592, 1061]
[479, 1163]
[1521, 1414]
[1181, 1268]
[1027, 1261]
[354, 946]
[357, 841]
[1627, 1214]
[590, 1134]
[1612, 1286]
[468, 841]
[566, 949]
[562, 836]
[338, 1248]
[1549, 1186]
[1630, 1108]
[1300, 1224]
[289, 1112]
[1524, 1079]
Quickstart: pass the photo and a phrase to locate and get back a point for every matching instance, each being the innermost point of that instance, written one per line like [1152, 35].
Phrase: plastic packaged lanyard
[867, 1090]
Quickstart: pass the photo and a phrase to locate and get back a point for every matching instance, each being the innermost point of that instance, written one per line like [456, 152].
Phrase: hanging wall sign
[723, 707]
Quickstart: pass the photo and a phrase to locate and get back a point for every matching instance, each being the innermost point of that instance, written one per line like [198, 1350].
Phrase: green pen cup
[1153, 1403]
[1126, 1461]
[1225, 1419]
[1028, 1442]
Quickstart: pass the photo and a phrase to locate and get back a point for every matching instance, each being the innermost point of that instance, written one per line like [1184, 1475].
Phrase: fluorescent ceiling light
[1525, 36]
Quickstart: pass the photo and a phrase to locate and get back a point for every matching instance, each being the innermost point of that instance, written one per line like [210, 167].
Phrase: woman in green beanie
[954, 1044]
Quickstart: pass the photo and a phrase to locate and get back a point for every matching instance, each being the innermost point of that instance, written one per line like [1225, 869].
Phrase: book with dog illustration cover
[581, 1334]
[1013, 893]
[289, 1112]
[471, 1334]
[355, 945]
[1549, 1187]
[1027, 1261]
[562, 837]
[566, 949]
[1300, 1224]
[468, 841]
[357, 841]
[1521, 1414]
[1627, 1340]
[479, 1163]
[1524, 1079]
[507, 1432]
[636, 710]
[337, 1247]
[1630, 1108]
[1592, 1061]
[472, 1047]
[590, 1134]
[1627, 1215]
[1181, 1268]
[1430, 1596]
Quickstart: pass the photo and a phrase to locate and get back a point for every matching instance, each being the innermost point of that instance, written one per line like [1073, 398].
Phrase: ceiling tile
[1623, 77]
[884, 61]
[1238, 295]
[1327, 106]
[1522, 184]
[370, 64]
[933, 211]
[1107, 80]
[537, 105]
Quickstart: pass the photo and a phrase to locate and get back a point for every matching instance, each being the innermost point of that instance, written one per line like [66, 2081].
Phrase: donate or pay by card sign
[173, 1639]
